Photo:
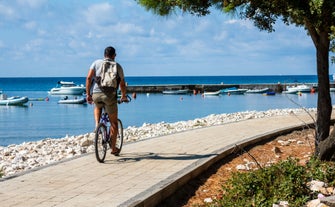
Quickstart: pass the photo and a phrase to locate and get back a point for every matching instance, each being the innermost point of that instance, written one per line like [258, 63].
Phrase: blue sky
[55, 38]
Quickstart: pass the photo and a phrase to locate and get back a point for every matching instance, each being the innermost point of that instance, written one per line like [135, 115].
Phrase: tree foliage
[264, 14]
[316, 16]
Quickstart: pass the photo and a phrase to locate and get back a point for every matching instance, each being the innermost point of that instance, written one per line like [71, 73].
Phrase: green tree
[316, 16]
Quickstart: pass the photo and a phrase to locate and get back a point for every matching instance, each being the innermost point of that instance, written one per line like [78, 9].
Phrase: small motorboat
[72, 101]
[233, 90]
[214, 93]
[176, 92]
[67, 88]
[299, 88]
[14, 100]
[261, 90]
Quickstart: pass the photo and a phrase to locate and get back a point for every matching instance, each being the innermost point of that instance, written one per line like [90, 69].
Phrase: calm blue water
[47, 119]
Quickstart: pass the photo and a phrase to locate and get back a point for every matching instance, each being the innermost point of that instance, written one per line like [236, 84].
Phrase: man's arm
[89, 79]
[123, 90]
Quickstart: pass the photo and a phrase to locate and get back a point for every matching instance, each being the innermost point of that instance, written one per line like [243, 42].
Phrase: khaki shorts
[101, 100]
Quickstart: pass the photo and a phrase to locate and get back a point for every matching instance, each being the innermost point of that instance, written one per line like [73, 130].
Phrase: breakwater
[200, 88]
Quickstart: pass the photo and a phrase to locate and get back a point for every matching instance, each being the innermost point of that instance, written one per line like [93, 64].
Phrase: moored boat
[13, 100]
[72, 101]
[299, 88]
[176, 92]
[261, 90]
[214, 93]
[233, 90]
[67, 88]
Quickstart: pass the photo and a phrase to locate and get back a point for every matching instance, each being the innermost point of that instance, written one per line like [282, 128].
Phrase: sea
[38, 120]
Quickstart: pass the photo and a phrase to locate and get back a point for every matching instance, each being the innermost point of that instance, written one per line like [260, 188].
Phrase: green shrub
[284, 181]
[321, 170]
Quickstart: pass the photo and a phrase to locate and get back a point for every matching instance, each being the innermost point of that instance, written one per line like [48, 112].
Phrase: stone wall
[208, 87]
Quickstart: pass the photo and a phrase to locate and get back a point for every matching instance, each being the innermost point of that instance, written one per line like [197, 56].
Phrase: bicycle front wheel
[119, 137]
[101, 142]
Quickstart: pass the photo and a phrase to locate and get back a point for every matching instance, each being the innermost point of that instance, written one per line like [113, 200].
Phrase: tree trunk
[328, 147]
[324, 105]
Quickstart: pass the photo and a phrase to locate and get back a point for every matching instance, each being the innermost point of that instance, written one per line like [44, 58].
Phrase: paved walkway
[144, 173]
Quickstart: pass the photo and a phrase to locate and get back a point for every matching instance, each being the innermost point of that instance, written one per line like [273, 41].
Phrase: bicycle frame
[105, 120]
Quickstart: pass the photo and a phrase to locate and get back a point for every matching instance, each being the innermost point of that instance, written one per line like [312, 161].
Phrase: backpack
[108, 80]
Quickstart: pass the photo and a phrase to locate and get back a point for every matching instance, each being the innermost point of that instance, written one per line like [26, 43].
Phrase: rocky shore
[29, 155]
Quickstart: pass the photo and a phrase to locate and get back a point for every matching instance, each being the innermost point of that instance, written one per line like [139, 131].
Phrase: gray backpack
[108, 80]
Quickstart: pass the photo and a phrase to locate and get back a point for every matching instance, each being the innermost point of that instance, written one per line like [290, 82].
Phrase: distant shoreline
[46, 83]
[276, 87]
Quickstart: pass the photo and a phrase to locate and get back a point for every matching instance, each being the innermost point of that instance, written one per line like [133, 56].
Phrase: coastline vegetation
[285, 181]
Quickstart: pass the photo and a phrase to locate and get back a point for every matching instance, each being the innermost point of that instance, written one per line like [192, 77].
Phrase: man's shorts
[101, 100]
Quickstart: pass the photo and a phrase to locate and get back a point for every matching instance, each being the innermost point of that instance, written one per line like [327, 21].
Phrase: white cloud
[232, 21]
[220, 36]
[203, 26]
[100, 14]
[32, 3]
[41, 32]
[7, 12]
[170, 41]
[127, 28]
[30, 25]
[195, 48]
[33, 45]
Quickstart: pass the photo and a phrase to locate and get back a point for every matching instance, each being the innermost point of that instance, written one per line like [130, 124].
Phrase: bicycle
[102, 135]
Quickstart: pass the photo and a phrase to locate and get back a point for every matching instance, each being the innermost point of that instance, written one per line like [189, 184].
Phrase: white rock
[316, 185]
[313, 203]
[85, 142]
[241, 167]
[208, 200]
[284, 143]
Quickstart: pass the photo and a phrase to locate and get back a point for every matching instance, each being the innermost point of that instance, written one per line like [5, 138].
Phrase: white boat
[14, 100]
[72, 101]
[214, 93]
[68, 88]
[233, 90]
[176, 92]
[298, 89]
[261, 90]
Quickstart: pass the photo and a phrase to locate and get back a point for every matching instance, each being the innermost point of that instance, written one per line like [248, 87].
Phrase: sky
[61, 38]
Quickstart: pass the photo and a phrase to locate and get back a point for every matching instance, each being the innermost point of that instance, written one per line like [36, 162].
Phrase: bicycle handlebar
[119, 101]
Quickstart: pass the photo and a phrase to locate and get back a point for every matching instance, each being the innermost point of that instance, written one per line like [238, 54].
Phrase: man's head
[109, 52]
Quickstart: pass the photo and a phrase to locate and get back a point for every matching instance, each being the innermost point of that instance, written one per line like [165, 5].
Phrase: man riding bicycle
[106, 99]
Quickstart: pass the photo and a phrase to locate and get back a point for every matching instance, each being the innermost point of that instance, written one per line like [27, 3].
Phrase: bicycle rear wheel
[119, 138]
[101, 142]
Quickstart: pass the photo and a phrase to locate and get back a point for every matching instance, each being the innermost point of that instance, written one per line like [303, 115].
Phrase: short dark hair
[109, 51]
